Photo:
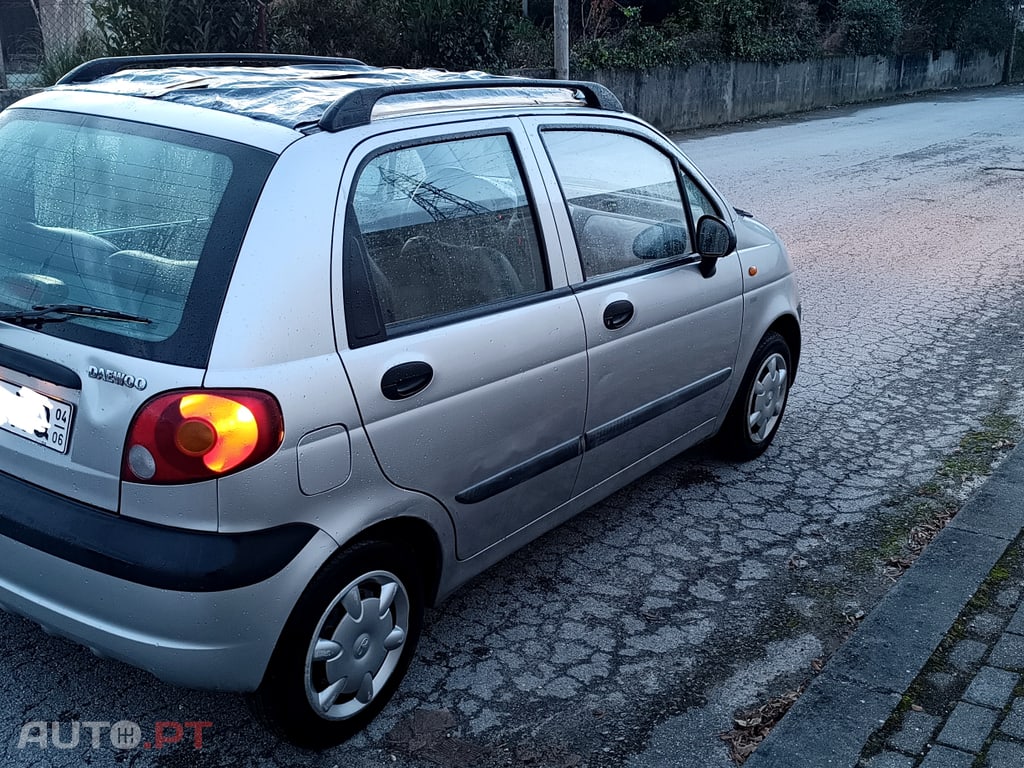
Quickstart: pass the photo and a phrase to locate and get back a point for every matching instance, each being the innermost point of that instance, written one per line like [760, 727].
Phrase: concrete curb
[864, 681]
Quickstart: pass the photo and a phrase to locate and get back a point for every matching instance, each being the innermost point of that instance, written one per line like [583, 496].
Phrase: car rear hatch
[117, 241]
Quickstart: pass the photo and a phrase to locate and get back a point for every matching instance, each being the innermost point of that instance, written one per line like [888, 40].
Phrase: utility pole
[561, 39]
[3, 68]
[1008, 72]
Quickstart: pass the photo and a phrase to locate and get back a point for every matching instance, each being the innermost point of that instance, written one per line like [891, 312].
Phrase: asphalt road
[628, 636]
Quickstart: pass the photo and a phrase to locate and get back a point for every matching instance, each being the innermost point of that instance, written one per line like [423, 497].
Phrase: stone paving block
[1013, 724]
[991, 687]
[1008, 597]
[1017, 622]
[1009, 652]
[890, 760]
[1005, 754]
[915, 733]
[968, 727]
[967, 654]
[944, 757]
[986, 624]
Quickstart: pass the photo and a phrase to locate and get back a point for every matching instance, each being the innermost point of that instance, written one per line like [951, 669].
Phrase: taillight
[181, 437]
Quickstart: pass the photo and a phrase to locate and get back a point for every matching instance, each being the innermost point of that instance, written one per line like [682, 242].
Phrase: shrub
[57, 61]
[330, 28]
[634, 46]
[871, 26]
[451, 34]
[530, 45]
[133, 27]
[986, 27]
[758, 30]
[455, 34]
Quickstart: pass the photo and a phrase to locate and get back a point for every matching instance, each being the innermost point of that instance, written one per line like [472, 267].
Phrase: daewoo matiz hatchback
[292, 347]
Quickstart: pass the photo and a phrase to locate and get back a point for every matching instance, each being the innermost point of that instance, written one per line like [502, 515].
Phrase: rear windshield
[127, 217]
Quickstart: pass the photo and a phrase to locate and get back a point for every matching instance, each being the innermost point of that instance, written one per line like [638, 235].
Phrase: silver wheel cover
[767, 398]
[357, 645]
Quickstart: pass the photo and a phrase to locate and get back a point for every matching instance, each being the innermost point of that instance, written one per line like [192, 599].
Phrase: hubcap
[357, 645]
[767, 397]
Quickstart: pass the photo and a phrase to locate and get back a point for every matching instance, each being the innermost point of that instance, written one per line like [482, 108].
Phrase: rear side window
[443, 228]
[126, 217]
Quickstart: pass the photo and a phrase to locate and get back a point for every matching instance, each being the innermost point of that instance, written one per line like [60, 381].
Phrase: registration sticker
[41, 419]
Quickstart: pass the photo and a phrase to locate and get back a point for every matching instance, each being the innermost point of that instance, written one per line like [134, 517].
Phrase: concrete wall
[676, 98]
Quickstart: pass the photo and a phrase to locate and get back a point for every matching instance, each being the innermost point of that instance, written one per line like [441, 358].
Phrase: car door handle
[617, 314]
[405, 380]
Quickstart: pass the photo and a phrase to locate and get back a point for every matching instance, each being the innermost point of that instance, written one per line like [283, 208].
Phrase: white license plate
[41, 419]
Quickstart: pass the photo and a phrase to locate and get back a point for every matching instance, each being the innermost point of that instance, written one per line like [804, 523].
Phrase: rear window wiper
[59, 313]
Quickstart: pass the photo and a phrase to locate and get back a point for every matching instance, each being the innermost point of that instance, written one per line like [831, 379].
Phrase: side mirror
[714, 240]
[661, 241]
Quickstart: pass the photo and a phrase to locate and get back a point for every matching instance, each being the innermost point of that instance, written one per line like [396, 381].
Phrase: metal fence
[43, 38]
[30, 29]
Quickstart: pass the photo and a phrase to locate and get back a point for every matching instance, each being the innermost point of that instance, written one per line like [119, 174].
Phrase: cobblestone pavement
[966, 708]
[630, 635]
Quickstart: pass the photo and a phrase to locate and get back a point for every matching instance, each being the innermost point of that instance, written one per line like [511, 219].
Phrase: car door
[465, 347]
[662, 333]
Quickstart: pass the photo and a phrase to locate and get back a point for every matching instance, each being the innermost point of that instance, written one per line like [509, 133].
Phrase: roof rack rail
[356, 107]
[92, 70]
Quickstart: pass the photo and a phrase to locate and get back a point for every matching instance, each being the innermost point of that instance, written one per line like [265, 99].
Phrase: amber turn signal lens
[195, 437]
[231, 425]
[752, 271]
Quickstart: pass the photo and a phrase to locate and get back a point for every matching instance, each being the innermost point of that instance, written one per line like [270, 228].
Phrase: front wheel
[756, 413]
[345, 647]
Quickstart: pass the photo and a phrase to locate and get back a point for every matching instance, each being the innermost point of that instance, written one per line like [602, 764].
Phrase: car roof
[317, 93]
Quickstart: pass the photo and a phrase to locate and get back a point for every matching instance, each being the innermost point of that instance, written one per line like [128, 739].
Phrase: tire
[756, 413]
[345, 648]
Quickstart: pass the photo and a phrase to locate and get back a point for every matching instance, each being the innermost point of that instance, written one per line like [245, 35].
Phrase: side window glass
[446, 227]
[623, 197]
[700, 205]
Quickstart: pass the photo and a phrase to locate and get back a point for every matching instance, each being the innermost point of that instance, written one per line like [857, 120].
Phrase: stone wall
[676, 98]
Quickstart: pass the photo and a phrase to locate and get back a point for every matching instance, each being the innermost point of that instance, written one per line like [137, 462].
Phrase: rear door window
[125, 217]
[445, 228]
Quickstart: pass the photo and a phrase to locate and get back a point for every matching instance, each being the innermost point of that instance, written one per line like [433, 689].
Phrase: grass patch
[924, 511]
[979, 449]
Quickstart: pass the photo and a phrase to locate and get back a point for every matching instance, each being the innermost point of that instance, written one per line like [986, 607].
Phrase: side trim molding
[521, 472]
[612, 429]
[551, 458]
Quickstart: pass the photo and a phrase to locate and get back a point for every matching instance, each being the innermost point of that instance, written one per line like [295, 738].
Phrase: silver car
[291, 348]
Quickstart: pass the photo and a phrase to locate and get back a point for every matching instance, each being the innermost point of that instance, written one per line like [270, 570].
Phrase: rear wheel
[345, 648]
[756, 413]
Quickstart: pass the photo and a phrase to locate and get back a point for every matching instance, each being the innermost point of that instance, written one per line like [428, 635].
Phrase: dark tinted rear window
[124, 216]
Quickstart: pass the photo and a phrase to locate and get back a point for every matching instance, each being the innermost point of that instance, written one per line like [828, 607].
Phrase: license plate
[41, 419]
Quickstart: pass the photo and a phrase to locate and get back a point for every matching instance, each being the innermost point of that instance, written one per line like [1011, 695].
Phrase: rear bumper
[198, 609]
